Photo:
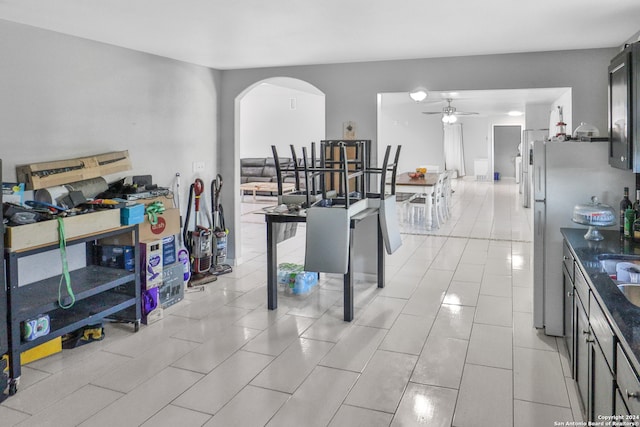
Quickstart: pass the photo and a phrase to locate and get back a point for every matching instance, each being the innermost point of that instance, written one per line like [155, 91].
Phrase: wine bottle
[625, 204]
[636, 204]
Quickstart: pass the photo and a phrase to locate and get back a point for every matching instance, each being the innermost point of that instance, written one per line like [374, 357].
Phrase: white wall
[275, 115]
[419, 134]
[537, 116]
[475, 140]
[65, 97]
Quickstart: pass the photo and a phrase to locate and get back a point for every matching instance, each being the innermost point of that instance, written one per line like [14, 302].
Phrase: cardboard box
[13, 192]
[46, 232]
[168, 224]
[151, 264]
[60, 172]
[115, 256]
[172, 289]
[154, 316]
[169, 250]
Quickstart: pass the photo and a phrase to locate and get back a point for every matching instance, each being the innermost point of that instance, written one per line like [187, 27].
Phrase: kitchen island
[602, 327]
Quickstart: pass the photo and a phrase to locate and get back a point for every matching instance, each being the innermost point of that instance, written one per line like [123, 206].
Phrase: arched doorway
[277, 111]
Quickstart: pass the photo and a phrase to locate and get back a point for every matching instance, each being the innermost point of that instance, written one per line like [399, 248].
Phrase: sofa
[261, 169]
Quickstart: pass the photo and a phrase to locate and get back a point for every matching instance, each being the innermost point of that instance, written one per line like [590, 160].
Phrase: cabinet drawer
[628, 382]
[601, 329]
[568, 261]
[582, 289]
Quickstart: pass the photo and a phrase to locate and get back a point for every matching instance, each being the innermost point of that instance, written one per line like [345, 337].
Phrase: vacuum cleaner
[199, 240]
[220, 231]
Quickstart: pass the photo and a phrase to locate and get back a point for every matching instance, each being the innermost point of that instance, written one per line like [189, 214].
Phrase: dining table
[420, 186]
[424, 182]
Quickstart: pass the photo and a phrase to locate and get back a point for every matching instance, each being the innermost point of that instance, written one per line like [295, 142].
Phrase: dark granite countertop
[623, 315]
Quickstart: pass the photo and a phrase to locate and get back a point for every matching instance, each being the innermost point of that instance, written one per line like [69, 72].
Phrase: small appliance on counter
[594, 214]
[585, 130]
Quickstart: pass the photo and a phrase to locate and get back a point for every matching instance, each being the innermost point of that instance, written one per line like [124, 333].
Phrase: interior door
[506, 140]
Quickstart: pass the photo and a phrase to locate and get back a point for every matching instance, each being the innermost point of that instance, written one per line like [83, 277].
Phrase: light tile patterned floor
[448, 341]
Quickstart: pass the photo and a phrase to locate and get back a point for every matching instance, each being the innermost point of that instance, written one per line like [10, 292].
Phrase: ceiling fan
[449, 113]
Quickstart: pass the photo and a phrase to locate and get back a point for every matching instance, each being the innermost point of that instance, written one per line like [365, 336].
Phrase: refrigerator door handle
[539, 176]
[539, 222]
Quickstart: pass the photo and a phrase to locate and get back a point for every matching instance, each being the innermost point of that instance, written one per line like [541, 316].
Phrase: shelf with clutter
[104, 252]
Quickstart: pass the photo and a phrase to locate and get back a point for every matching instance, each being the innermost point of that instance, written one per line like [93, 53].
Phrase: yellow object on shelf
[43, 350]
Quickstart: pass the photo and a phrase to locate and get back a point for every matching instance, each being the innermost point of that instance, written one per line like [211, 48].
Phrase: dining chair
[429, 207]
[437, 201]
[446, 195]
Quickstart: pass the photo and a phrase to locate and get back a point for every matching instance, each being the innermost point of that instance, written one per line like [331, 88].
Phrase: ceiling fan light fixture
[418, 95]
[449, 119]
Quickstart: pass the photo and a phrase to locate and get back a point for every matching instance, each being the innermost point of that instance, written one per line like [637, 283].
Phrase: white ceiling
[261, 33]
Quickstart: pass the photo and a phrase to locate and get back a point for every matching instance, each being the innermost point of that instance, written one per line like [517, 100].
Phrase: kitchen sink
[632, 292]
[609, 262]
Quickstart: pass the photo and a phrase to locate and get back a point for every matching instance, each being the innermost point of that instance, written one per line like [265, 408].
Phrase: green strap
[65, 268]
[153, 210]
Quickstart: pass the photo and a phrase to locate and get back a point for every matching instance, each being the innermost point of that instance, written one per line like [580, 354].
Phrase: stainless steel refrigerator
[565, 174]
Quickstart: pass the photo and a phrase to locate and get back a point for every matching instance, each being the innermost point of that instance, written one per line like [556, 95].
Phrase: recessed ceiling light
[418, 95]
[515, 113]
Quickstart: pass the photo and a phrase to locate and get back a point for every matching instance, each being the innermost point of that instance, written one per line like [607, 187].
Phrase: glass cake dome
[594, 215]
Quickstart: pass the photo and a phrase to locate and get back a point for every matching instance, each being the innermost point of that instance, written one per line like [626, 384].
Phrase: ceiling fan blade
[432, 112]
[463, 113]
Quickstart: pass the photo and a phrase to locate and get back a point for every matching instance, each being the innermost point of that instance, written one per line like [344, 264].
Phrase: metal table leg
[381, 253]
[348, 283]
[272, 268]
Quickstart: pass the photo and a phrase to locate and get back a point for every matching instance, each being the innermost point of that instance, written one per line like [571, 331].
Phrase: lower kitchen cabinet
[603, 352]
[569, 309]
[593, 376]
[602, 383]
[628, 383]
[581, 360]
[607, 377]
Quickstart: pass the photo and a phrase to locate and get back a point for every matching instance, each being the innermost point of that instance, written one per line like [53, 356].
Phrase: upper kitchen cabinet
[624, 95]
